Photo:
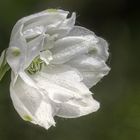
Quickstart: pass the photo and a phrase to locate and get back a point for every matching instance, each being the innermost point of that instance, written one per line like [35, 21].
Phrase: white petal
[46, 56]
[62, 72]
[17, 45]
[76, 108]
[72, 46]
[92, 78]
[61, 83]
[61, 29]
[44, 115]
[19, 106]
[88, 63]
[101, 49]
[30, 104]
[44, 18]
[80, 31]
[53, 91]
[27, 79]
[33, 32]
[33, 49]
[92, 69]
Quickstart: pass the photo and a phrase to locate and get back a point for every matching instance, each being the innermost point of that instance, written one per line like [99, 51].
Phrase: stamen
[36, 65]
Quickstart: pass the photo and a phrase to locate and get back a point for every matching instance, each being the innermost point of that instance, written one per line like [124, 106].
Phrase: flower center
[36, 65]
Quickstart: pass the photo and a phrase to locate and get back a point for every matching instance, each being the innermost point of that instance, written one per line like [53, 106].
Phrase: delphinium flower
[53, 65]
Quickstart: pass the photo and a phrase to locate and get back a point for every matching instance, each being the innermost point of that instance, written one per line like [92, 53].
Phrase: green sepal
[4, 66]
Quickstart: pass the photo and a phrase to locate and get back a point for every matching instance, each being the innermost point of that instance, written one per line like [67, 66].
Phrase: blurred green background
[118, 21]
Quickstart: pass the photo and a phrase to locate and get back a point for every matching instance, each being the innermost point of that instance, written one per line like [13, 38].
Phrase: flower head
[54, 63]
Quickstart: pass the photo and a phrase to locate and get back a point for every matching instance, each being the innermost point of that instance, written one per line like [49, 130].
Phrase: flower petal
[62, 29]
[43, 19]
[16, 53]
[76, 108]
[61, 83]
[30, 104]
[81, 31]
[92, 69]
[72, 46]
[101, 48]
[33, 49]
[46, 56]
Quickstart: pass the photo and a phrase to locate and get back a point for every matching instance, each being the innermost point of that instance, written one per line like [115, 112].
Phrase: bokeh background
[118, 21]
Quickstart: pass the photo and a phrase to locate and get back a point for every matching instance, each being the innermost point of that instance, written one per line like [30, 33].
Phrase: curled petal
[101, 47]
[44, 18]
[92, 69]
[76, 108]
[61, 83]
[72, 46]
[62, 29]
[30, 104]
[33, 49]
[81, 31]
[16, 53]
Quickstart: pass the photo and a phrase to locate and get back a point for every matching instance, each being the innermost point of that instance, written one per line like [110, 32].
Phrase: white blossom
[54, 63]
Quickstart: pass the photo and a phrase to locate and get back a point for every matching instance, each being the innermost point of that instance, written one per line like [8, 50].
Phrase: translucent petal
[16, 53]
[76, 108]
[33, 49]
[92, 78]
[62, 29]
[92, 69]
[46, 56]
[43, 19]
[72, 46]
[81, 31]
[30, 104]
[61, 83]
[101, 48]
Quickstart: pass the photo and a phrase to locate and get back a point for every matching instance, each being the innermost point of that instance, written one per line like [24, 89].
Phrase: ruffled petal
[92, 69]
[101, 47]
[62, 29]
[16, 53]
[81, 31]
[76, 108]
[33, 49]
[72, 46]
[42, 20]
[61, 83]
[30, 33]
[31, 105]
[101, 50]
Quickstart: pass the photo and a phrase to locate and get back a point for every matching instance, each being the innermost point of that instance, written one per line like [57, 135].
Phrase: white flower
[54, 63]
